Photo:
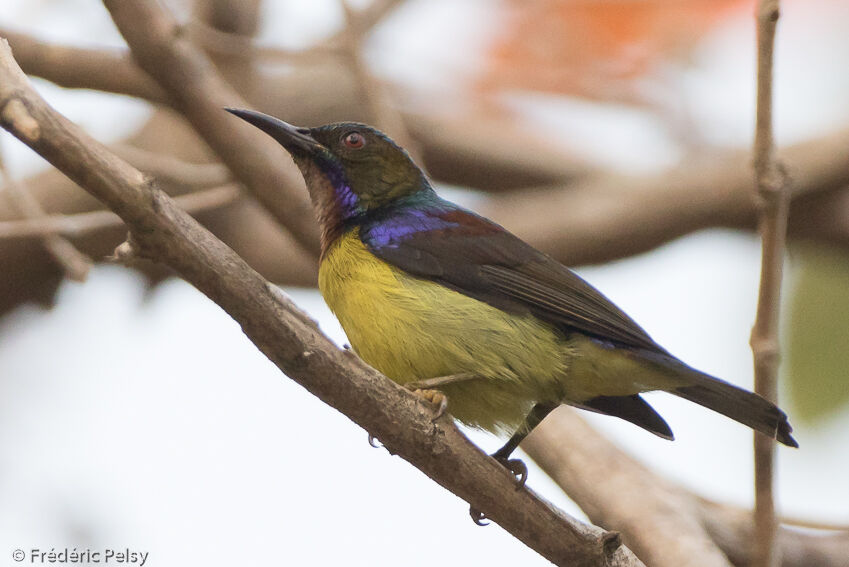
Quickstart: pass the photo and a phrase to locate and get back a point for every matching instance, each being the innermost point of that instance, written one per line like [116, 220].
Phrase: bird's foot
[435, 397]
[431, 383]
[519, 471]
[516, 466]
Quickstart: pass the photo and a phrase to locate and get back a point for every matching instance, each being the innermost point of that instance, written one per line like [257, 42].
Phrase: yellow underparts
[411, 329]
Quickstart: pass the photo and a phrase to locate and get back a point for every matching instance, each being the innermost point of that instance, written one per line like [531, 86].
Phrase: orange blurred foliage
[596, 48]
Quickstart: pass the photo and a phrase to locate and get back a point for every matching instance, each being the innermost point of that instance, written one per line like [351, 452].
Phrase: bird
[431, 294]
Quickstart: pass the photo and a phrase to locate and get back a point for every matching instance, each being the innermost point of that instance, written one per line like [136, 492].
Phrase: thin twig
[84, 223]
[75, 264]
[226, 43]
[773, 196]
[797, 522]
[384, 115]
[368, 18]
[173, 171]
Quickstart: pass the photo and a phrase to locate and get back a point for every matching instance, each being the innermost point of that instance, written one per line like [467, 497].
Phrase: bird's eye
[354, 140]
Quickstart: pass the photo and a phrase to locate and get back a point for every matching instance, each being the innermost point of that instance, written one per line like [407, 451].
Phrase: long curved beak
[290, 137]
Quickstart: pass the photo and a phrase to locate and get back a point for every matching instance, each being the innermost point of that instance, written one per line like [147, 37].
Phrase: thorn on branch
[125, 253]
[611, 541]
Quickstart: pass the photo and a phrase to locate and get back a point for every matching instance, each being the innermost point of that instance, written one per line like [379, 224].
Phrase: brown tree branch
[199, 93]
[109, 70]
[84, 223]
[224, 43]
[74, 263]
[173, 171]
[733, 530]
[399, 419]
[610, 217]
[236, 18]
[228, 43]
[368, 18]
[773, 198]
[30, 275]
[673, 527]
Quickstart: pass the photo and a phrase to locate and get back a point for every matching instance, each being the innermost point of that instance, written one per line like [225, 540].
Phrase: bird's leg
[516, 466]
[431, 383]
[427, 389]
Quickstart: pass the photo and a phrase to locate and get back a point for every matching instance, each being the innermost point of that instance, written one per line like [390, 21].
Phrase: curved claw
[518, 468]
[478, 517]
[372, 440]
[440, 410]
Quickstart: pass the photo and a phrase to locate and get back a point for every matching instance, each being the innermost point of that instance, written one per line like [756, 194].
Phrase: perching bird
[425, 288]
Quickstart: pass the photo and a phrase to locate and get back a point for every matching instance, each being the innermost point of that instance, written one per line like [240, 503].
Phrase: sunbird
[429, 292]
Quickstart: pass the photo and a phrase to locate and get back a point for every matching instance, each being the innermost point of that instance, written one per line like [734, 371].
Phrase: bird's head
[349, 168]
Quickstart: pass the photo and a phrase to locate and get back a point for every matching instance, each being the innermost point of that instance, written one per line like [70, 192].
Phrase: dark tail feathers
[630, 408]
[738, 404]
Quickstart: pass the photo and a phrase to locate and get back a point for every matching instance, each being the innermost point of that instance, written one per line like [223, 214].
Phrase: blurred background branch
[772, 196]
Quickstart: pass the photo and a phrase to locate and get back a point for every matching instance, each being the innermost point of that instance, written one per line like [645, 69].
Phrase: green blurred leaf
[817, 332]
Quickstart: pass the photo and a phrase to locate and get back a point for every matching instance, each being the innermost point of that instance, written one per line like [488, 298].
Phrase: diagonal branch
[404, 424]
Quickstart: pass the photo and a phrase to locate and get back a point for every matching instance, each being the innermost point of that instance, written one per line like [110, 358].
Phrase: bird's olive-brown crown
[358, 158]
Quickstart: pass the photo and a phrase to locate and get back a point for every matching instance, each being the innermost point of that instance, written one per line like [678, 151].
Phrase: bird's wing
[478, 258]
